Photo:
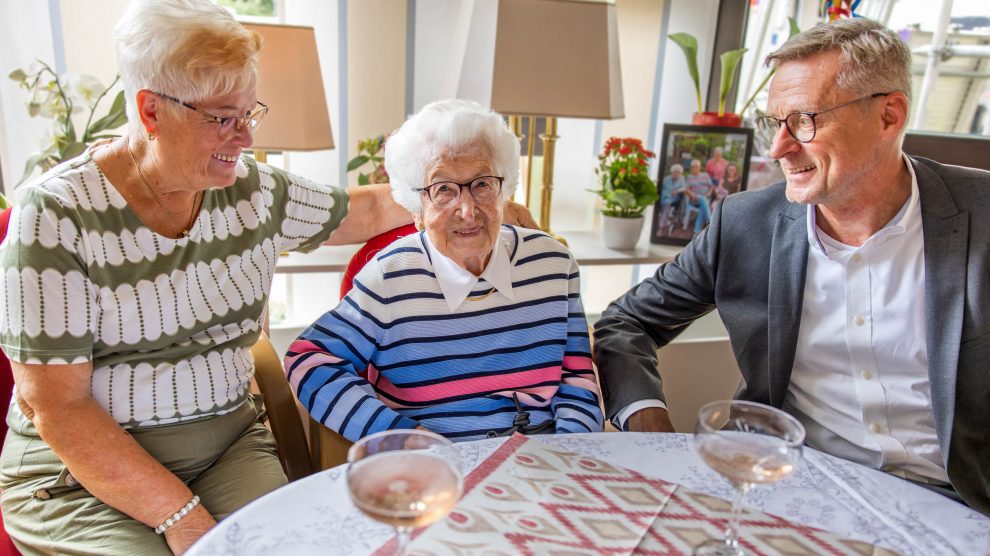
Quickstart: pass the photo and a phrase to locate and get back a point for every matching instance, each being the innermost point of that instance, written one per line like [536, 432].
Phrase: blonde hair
[872, 58]
[189, 49]
[448, 126]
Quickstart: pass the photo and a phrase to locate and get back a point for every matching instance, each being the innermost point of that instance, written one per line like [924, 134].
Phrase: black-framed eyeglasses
[484, 189]
[232, 124]
[801, 125]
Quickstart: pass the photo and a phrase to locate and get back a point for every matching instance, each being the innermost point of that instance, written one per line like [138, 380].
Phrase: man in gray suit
[856, 294]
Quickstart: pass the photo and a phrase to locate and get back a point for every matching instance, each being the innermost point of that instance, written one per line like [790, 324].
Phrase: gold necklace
[196, 198]
[480, 297]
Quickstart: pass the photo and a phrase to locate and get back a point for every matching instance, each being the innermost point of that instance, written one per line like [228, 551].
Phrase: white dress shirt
[860, 377]
[457, 282]
[859, 382]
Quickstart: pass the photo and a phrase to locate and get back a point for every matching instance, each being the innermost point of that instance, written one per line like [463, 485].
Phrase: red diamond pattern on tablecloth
[528, 498]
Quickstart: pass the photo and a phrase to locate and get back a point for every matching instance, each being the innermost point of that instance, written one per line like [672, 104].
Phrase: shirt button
[867, 375]
[42, 494]
[859, 320]
[856, 258]
[876, 428]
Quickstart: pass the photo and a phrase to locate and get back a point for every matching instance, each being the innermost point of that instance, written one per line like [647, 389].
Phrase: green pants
[227, 460]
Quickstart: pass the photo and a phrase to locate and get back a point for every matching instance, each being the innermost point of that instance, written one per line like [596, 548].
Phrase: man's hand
[650, 419]
[518, 215]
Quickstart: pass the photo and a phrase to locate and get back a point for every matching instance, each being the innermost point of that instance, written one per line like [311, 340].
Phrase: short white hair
[448, 125]
[188, 49]
[677, 168]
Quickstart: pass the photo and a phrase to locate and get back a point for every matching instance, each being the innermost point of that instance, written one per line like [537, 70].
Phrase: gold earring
[151, 136]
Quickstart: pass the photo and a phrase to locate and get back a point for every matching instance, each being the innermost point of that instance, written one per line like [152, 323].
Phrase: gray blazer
[751, 263]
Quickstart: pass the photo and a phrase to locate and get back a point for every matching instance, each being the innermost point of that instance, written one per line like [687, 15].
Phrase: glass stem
[402, 535]
[732, 530]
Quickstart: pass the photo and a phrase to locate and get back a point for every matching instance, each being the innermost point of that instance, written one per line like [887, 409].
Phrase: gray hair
[677, 168]
[872, 58]
[189, 49]
[447, 125]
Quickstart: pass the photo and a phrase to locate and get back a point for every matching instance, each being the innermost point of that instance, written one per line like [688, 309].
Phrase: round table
[315, 515]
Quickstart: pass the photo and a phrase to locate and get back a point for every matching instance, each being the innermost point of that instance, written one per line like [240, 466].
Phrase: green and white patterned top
[168, 323]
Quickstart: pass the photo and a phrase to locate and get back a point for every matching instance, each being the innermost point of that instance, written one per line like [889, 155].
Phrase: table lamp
[543, 58]
[291, 84]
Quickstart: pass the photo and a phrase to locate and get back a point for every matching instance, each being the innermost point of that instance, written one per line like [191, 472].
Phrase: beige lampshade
[291, 84]
[544, 58]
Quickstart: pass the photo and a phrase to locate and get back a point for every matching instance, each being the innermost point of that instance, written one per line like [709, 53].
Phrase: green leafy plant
[61, 98]
[730, 61]
[623, 168]
[370, 151]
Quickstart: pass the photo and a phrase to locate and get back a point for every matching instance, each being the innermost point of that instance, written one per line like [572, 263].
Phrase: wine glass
[748, 443]
[405, 478]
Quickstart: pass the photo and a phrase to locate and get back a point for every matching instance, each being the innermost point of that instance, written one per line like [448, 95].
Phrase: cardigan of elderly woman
[134, 279]
[470, 328]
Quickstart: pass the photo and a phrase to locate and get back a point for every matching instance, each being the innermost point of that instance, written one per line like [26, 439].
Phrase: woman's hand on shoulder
[518, 215]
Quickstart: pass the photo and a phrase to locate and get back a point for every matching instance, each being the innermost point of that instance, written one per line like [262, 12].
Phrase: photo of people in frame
[699, 167]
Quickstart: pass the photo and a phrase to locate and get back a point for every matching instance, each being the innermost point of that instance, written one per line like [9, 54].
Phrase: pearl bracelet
[183, 512]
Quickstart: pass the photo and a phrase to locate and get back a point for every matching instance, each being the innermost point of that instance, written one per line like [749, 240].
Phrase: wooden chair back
[283, 415]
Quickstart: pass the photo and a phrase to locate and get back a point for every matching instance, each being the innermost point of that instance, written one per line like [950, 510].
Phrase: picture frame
[680, 214]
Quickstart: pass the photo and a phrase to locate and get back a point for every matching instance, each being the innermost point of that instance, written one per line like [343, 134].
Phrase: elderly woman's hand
[518, 215]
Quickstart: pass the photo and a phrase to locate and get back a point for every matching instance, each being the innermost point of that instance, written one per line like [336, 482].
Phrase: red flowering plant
[623, 168]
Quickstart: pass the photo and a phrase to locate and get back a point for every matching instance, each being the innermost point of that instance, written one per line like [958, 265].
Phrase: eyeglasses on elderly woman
[231, 124]
[444, 194]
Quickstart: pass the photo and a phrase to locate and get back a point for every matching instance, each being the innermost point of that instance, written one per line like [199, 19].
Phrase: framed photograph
[699, 166]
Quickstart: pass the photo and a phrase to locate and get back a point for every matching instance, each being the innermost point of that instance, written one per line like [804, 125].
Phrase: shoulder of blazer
[946, 190]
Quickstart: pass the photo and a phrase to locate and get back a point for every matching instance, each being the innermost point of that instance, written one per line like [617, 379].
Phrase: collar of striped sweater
[457, 283]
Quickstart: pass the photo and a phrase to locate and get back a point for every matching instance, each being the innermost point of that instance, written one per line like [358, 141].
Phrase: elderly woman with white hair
[470, 328]
[133, 283]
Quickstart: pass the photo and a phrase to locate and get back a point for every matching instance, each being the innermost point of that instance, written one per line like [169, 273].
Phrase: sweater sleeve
[576, 406]
[327, 365]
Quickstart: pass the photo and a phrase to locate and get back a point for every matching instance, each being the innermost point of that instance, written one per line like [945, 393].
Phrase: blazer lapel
[946, 236]
[788, 269]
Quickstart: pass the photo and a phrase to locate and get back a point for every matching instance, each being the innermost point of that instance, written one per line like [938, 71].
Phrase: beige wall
[88, 35]
[376, 68]
[639, 34]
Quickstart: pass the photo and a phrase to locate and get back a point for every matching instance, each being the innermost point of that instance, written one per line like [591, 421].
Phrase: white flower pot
[621, 233]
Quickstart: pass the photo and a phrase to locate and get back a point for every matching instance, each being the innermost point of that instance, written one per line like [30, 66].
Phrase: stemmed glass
[405, 478]
[748, 443]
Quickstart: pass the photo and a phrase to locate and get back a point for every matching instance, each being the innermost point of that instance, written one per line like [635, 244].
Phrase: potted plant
[60, 98]
[623, 168]
[730, 61]
[371, 150]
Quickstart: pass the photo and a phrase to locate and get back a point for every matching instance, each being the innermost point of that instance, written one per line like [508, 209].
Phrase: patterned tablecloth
[315, 515]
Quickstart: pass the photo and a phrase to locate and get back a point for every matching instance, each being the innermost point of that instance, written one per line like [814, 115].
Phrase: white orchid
[84, 87]
[60, 98]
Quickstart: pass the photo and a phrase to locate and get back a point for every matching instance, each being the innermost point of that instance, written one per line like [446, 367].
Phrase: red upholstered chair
[7, 547]
[368, 251]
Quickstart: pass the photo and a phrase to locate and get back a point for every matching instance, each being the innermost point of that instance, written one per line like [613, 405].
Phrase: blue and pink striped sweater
[392, 355]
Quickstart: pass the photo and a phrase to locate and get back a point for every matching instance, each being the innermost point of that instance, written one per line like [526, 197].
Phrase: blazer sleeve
[649, 316]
